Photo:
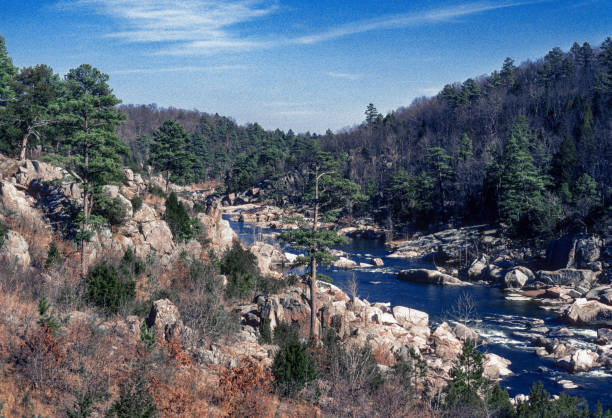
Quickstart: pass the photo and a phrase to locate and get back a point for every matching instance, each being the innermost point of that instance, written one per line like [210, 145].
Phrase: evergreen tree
[7, 74]
[564, 167]
[371, 114]
[465, 147]
[328, 190]
[440, 170]
[522, 183]
[89, 115]
[34, 106]
[170, 153]
[468, 383]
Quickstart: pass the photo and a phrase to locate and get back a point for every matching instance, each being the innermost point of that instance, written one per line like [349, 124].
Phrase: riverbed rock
[409, 318]
[517, 277]
[429, 277]
[478, 268]
[583, 360]
[344, 263]
[562, 277]
[463, 332]
[589, 312]
[496, 367]
[378, 262]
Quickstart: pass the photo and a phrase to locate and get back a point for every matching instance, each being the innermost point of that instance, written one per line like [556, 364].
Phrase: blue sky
[286, 64]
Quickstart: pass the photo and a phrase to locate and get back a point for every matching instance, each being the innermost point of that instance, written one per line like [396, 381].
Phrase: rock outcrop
[15, 251]
[270, 259]
[165, 319]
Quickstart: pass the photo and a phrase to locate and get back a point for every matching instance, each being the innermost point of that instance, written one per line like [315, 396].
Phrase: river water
[497, 315]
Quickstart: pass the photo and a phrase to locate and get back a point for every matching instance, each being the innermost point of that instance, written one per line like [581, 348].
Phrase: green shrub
[136, 202]
[240, 267]
[110, 208]
[130, 265]
[285, 333]
[108, 288]
[54, 258]
[135, 399]
[468, 382]
[293, 368]
[265, 331]
[3, 230]
[182, 226]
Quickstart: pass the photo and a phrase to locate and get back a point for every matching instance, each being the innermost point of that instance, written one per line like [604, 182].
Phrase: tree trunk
[24, 146]
[313, 267]
[86, 208]
[84, 230]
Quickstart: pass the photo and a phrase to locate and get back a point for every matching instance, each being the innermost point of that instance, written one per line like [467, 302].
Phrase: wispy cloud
[344, 76]
[195, 27]
[193, 69]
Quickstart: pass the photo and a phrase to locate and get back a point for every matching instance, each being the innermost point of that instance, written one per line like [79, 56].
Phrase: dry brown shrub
[179, 387]
[383, 355]
[246, 391]
[42, 358]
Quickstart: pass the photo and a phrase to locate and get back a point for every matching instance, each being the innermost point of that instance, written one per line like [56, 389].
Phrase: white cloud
[345, 76]
[195, 27]
[180, 69]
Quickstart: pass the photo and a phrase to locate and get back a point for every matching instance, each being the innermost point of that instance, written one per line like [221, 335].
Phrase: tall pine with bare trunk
[90, 117]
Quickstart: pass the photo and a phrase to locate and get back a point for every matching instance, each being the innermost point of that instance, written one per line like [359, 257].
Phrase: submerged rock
[429, 277]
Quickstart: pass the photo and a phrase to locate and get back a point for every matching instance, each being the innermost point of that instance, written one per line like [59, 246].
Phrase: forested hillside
[529, 145]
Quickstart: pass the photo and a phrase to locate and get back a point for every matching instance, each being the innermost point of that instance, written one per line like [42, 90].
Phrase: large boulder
[463, 332]
[447, 346]
[578, 251]
[564, 277]
[219, 230]
[587, 251]
[165, 319]
[269, 258]
[344, 263]
[15, 251]
[517, 277]
[589, 312]
[477, 268]
[429, 277]
[158, 235]
[408, 317]
[495, 367]
[583, 360]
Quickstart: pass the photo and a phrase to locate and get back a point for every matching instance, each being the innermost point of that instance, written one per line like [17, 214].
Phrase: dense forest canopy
[528, 145]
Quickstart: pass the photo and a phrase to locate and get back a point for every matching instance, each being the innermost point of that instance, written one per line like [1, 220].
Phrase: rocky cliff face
[37, 193]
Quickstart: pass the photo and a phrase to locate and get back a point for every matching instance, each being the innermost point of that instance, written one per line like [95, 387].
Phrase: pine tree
[371, 114]
[328, 191]
[441, 172]
[34, 106]
[564, 167]
[170, 152]
[7, 74]
[89, 116]
[522, 184]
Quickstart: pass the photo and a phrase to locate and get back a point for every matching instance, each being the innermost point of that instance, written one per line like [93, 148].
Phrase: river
[497, 315]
